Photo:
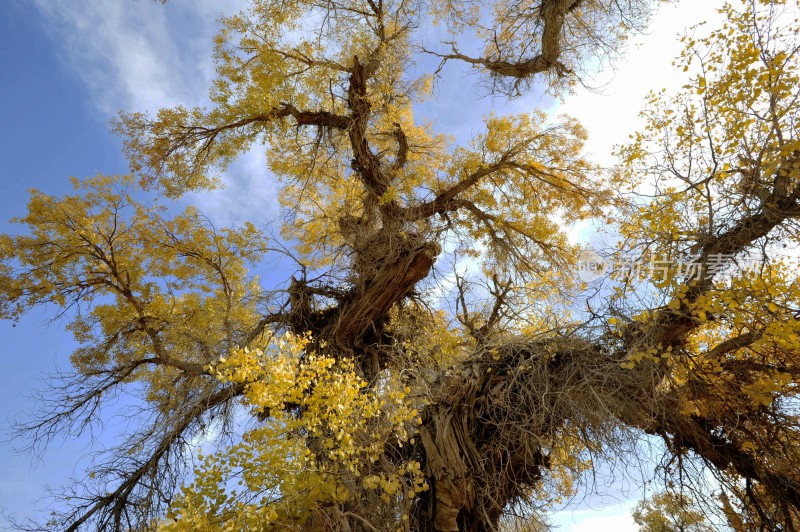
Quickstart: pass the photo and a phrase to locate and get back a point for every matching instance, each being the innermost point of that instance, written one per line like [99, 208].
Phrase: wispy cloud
[135, 55]
[249, 192]
[144, 56]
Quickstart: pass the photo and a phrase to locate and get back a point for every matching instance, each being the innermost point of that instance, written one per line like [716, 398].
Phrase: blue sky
[51, 131]
[67, 71]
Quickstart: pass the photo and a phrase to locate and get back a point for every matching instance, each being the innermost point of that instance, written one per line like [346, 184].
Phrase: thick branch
[445, 201]
[734, 344]
[694, 434]
[402, 148]
[387, 287]
[366, 164]
[323, 119]
[672, 325]
[553, 13]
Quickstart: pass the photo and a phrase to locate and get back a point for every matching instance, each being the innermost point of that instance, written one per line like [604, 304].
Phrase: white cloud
[610, 109]
[144, 56]
[131, 55]
[249, 192]
[616, 517]
[610, 113]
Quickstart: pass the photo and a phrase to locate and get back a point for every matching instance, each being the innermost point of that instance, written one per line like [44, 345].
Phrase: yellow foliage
[323, 442]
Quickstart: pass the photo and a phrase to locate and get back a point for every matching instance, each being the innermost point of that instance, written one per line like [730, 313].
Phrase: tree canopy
[353, 395]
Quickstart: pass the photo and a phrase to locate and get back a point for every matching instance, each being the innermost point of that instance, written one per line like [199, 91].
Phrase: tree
[667, 511]
[371, 406]
[737, 507]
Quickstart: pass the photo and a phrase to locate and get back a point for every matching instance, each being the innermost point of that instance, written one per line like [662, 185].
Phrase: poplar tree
[371, 404]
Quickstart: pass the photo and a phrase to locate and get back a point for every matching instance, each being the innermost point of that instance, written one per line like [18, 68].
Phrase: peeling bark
[385, 288]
